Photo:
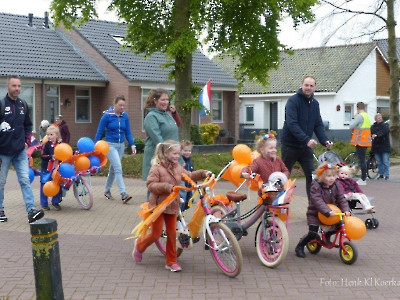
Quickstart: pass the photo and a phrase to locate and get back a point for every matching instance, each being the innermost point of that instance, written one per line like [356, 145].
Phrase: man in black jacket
[15, 136]
[302, 120]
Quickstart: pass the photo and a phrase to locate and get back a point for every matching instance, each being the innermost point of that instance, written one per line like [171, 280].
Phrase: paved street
[96, 259]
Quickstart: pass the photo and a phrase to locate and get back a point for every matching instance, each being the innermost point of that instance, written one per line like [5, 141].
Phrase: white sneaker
[361, 182]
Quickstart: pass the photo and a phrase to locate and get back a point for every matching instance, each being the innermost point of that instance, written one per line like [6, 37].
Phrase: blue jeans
[383, 160]
[115, 172]
[20, 163]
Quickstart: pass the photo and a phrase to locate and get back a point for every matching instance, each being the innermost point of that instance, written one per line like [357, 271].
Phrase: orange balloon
[82, 163]
[50, 189]
[102, 147]
[332, 219]
[355, 227]
[242, 154]
[45, 140]
[227, 174]
[31, 161]
[63, 151]
[236, 172]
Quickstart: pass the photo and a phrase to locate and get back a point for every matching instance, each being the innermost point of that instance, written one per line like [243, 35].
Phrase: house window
[53, 96]
[83, 107]
[348, 113]
[216, 107]
[250, 114]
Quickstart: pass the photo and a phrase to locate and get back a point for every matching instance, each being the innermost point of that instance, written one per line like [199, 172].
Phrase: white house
[345, 75]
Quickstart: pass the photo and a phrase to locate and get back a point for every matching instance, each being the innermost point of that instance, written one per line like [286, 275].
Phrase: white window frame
[216, 98]
[247, 121]
[345, 105]
[77, 98]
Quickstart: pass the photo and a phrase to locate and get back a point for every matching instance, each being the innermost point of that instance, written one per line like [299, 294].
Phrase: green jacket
[159, 127]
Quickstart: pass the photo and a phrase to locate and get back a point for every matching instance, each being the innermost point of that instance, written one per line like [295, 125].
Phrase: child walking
[268, 162]
[164, 174]
[352, 190]
[189, 166]
[324, 190]
[48, 159]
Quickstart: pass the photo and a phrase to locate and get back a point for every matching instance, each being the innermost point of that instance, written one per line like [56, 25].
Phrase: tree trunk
[183, 67]
[394, 77]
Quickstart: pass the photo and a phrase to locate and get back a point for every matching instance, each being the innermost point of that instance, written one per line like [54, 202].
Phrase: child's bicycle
[82, 188]
[218, 239]
[271, 237]
[347, 250]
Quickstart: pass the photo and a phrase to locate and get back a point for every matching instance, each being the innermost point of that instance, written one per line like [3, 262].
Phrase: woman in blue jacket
[117, 125]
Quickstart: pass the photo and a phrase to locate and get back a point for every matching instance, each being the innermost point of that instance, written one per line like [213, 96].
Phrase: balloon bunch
[243, 156]
[89, 159]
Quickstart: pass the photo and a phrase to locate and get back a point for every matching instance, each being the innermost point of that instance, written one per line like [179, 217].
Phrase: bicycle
[347, 250]
[82, 188]
[271, 237]
[351, 160]
[218, 239]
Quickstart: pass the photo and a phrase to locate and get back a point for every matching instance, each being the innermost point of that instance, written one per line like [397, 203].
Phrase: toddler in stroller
[352, 190]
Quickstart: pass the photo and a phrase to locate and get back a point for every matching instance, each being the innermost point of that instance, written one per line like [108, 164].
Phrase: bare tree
[358, 19]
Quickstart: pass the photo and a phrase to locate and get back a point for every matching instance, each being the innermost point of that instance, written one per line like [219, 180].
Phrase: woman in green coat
[159, 125]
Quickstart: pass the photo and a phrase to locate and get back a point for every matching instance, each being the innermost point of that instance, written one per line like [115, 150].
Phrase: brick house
[77, 74]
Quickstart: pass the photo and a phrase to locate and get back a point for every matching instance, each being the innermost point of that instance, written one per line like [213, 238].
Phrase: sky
[305, 37]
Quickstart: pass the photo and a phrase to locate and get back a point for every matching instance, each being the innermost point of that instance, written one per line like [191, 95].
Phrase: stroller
[355, 206]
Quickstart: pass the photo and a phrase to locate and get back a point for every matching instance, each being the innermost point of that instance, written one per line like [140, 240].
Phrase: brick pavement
[96, 260]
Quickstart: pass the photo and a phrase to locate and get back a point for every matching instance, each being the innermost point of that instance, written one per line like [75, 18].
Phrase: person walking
[63, 127]
[115, 121]
[15, 136]
[302, 120]
[361, 138]
[381, 146]
[158, 124]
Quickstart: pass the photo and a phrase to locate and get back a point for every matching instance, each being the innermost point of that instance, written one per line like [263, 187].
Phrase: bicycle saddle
[235, 196]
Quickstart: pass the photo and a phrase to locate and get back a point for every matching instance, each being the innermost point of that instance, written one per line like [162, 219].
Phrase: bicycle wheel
[372, 168]
[161, 245]
[351, 160]
[352, 253]
[272, 242]
[226, 250]
[83, 193]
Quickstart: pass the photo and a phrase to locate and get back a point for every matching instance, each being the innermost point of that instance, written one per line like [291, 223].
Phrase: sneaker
[380, 177]
[35, 214]
[137, 256]
[362, 182]
[3, 217]
[386, 177]
[173, 268]
[56, 206]
[107, 196]
[125, 198]
[45, 208]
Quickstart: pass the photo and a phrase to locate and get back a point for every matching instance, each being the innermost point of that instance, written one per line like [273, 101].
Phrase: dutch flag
[205, 98]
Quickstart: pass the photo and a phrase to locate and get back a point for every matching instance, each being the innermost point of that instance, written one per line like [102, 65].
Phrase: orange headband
[326, 167]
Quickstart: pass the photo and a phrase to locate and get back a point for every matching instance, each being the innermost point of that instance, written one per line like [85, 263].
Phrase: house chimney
[30, 22]
[46, 20]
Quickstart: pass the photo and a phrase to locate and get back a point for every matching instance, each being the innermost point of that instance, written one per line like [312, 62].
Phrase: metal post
[46, 260]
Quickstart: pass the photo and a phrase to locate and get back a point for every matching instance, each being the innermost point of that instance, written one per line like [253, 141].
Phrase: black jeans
[361, 152]
[305, 157]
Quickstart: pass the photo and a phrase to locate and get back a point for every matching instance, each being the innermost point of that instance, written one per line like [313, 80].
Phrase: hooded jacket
[302, 120]
[381, 143]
